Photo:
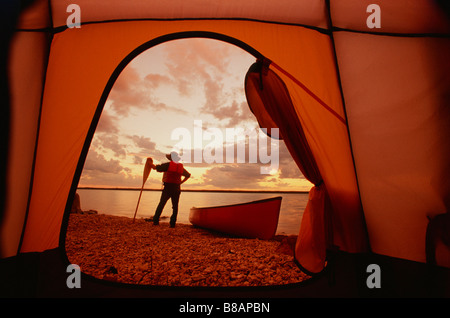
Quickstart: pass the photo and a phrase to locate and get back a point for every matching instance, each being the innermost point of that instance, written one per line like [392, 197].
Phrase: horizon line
[191, 190]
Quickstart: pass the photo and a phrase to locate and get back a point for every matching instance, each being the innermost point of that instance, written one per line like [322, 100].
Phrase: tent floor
[43, 275]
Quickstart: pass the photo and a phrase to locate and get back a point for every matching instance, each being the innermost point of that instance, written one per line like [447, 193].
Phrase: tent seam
[309, 92]
[36, 145]
[61, 28]
[393, 34]
[344, 108]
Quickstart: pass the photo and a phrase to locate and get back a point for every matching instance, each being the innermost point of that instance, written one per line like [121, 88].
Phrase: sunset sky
[169, 87]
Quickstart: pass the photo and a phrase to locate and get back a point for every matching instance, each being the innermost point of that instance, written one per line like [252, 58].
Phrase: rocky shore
[118, 249]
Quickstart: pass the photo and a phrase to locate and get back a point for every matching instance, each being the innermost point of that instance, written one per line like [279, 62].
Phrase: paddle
[147, 169]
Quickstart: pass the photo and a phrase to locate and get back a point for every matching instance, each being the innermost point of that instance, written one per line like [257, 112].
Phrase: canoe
[255, 219]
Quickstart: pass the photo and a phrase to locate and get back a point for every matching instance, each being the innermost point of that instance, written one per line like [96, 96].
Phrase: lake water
[123, 203]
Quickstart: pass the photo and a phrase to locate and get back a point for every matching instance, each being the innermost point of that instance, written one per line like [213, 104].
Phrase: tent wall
[400, 16]
[311, 13]
[396, 87]
[27, 66]
[89, 56]
[399, 117]
[394, 83]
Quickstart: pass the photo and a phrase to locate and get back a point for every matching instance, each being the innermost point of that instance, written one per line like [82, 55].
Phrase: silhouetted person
[172, 179]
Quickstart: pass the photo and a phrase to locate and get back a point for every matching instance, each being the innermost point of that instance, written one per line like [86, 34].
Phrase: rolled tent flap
[269, 100]
[265, 89]
[311, 245]
[256, 100]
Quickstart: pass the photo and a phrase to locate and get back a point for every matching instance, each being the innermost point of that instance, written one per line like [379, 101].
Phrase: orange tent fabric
[381, 150]
[268, 97]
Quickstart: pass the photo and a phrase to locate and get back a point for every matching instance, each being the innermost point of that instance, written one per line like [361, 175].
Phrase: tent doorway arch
[122, 67]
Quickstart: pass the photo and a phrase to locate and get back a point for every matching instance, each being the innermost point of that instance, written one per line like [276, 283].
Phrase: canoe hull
[256, 219]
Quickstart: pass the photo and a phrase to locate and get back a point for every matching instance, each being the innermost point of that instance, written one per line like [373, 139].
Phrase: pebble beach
[117, 249]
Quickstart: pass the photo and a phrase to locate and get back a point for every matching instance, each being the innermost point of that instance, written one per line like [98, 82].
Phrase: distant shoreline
[194, 190]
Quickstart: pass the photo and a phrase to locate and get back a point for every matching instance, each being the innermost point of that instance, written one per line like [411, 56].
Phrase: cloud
[122, 179]
[234, 176]
[99, 171]
[213, 92]
[232, 113]
[110, 142]
[156, 80]
[146, 148]
[196, 59]
[205, 65]
[108, 123]
[126, 92]
[248, 175]
[288, 167]
[131, 91]
[137, 159]
[144, 143]
[98, 162]
[191, 67]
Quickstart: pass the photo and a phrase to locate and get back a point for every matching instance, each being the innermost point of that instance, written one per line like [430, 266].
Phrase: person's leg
[165, 195]
[175, 196]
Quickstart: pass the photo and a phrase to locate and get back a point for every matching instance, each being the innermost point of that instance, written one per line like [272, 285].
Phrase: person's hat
[173, 156]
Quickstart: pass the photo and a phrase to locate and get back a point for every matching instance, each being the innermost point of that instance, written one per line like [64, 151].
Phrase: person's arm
[186, 175]
[161, 168]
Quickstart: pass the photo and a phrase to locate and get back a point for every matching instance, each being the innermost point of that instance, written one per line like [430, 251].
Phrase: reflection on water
[123, 203]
